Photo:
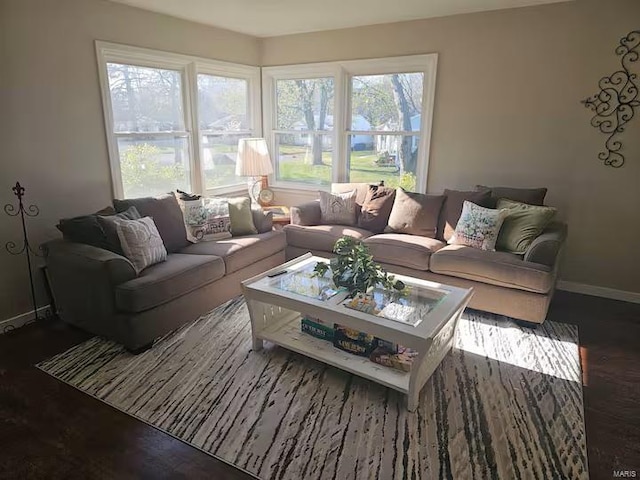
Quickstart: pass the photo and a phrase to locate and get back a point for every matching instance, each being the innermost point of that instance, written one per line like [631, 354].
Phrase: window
[360, 121]
[173, 122]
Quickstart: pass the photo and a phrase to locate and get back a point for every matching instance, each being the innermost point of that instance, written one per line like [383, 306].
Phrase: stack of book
[359, 343]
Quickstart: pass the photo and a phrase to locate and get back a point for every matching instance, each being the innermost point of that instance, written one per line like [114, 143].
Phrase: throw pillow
[415, 213]
[83, 229]
[141, 242]
[478, 227]
[338, 208]
[108, 224]
[241, 217]
[166, 214]
[91, 230]
[261, 219]
[523, 225]
[452, 208]
[375, 211]
[532, 196]
[207, 219]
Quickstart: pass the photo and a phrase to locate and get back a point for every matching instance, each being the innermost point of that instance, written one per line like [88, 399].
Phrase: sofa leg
[525, 324]
[139, 350]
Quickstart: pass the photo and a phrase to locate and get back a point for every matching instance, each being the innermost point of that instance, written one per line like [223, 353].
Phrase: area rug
[505, 403]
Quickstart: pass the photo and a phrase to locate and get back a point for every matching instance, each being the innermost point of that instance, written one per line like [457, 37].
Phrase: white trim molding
[189, 67]
[596, 291]
[21, 320]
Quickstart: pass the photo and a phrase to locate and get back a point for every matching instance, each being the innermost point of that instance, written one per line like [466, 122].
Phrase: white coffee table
[276, 313]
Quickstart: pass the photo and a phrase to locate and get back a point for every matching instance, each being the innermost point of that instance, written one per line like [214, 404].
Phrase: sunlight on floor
[523, 350]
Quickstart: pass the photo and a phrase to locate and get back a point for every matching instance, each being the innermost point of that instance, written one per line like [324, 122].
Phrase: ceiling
[267, 18]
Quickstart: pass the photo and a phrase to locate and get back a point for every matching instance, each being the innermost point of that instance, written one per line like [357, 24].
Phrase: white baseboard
[593, 290]
[21, 320]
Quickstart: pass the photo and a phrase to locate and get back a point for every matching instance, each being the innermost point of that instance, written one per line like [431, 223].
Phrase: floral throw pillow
[478, 227]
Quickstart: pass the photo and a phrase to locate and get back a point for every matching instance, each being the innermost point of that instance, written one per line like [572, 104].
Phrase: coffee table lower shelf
[286, 333]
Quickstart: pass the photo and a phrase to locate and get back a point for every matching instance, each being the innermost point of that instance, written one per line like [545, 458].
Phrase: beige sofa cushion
[320, 237]
[163, 282]
[240, 252]
[497, 268]
[411, 251]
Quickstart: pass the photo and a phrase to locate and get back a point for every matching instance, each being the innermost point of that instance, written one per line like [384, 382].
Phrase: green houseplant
[354, 269]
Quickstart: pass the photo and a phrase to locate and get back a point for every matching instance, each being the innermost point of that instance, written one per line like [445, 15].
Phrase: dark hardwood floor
[50, 430]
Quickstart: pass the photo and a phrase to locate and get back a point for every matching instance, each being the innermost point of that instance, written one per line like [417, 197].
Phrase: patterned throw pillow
[338, 208]
[206, 219]
[141, 242]
[478, 227]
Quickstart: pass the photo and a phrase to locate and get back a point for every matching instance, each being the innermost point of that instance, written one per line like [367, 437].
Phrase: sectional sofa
[517, 286]
[99, 290]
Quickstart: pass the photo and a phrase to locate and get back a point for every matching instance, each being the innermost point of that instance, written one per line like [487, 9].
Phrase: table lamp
[254, 162]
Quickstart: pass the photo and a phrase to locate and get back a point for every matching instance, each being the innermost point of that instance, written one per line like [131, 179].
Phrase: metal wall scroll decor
[25, 247]
[615, 104]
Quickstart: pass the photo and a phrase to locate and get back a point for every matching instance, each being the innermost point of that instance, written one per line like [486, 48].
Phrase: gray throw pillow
[241, 217]
[96, 229]
[338, 208]
[415, 213]
[108, 224]
[166, 214]
[376, 208]
[141, 242]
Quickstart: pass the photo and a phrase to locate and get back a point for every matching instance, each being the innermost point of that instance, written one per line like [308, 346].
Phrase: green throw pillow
[241, 217]
[523, 224]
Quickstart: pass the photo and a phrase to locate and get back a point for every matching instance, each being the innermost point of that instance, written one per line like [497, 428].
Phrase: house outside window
[174, 121]
[358, 121]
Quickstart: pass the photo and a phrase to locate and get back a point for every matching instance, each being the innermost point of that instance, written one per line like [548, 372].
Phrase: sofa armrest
[306, 214]
[546, 247]
[80, 257]
[261, 219]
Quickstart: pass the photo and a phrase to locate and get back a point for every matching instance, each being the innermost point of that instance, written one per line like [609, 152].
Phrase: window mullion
[343, 110]
[191, 112]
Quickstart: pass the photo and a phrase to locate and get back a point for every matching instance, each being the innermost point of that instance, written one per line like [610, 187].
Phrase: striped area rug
[506, 403]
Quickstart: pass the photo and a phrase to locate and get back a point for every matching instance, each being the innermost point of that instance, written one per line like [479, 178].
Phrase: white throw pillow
[478, 227]
[141, 242]
[338, 208]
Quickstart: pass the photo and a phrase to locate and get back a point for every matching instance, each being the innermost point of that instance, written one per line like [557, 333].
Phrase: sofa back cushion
[97, 230]
[166, 214]
[452, 208]
[415, 213]
[375, 211]
[531, 196]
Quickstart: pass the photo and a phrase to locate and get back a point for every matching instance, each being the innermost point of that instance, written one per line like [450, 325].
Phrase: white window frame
[342, 72]
[189, 68]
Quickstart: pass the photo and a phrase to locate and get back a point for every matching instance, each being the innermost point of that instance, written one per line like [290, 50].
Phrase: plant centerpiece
[354, 269]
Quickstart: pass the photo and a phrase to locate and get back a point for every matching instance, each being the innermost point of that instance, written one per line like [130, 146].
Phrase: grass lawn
[363, 169]
[296, 168]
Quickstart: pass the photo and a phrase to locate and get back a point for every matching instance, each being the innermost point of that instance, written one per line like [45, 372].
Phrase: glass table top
[409, 307]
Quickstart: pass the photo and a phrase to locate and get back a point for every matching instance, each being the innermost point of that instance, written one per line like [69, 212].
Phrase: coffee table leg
[256, 314]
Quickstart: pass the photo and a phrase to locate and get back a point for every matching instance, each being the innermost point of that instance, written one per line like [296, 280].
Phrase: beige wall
[507, 112]
[52, 132]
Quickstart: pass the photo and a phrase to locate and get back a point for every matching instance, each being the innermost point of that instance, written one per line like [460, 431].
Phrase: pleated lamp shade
[253, 158]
